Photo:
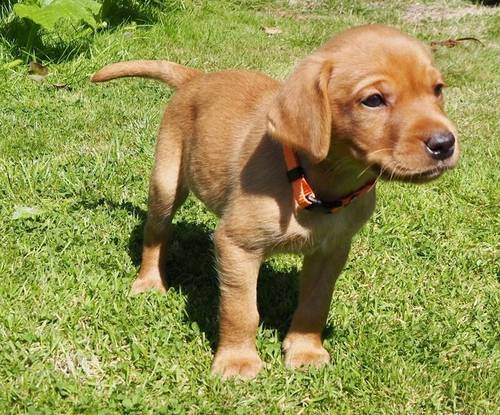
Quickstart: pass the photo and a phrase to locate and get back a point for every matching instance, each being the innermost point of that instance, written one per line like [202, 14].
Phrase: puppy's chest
[309, 231]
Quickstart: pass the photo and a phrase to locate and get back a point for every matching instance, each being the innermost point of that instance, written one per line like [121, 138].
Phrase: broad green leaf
[12, 64]
[53, 11]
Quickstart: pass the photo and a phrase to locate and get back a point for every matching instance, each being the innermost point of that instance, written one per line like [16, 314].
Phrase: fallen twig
[451, 43]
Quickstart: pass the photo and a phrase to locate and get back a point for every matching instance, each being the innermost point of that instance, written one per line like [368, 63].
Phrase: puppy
[290, 167]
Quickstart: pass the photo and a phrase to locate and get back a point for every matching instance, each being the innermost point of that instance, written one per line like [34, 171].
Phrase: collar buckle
[303, 194]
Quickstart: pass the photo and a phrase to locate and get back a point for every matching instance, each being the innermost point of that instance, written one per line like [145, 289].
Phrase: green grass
[413, 326]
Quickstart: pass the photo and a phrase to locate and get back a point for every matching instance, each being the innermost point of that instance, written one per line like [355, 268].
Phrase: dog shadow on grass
[191, 271]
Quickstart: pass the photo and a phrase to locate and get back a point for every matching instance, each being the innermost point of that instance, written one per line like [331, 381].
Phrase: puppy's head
[375, 91]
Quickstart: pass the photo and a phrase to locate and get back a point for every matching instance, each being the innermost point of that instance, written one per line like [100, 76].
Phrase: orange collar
[302, 192]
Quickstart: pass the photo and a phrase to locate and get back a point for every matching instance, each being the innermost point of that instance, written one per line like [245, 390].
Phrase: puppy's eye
[373, 101]
[438, 90]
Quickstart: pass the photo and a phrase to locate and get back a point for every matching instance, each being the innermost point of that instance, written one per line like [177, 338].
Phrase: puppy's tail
[171, 73]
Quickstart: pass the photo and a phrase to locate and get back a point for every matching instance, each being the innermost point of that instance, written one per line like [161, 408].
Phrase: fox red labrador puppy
[290, 167]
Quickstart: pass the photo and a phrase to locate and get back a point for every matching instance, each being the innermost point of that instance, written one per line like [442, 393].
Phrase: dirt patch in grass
[78, 364]
[418, 12]
[310, 4]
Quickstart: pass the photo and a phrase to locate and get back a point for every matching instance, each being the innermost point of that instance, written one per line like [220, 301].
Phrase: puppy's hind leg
[167, 192]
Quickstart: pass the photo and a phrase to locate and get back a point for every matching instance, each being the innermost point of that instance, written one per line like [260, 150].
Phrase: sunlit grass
[414, 321]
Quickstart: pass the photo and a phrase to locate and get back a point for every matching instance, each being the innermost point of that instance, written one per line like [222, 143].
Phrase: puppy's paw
[143, 284]
[236, 364]
[303, 353]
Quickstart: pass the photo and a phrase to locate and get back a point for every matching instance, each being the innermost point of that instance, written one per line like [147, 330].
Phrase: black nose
[441, 145]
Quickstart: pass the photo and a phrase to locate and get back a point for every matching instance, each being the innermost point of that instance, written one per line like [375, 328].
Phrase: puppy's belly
[214, 186]
[209, 176]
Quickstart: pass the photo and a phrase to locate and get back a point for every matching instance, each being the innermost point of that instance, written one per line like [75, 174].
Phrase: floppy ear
[300, 116]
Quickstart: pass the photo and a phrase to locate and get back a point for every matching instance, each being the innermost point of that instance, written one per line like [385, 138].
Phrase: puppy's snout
[441, 145]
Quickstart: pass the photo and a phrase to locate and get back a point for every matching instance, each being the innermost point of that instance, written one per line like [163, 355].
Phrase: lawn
[413, 326]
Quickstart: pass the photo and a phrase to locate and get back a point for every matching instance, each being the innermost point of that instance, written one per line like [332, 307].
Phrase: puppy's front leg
[303, 345]
[238, 316]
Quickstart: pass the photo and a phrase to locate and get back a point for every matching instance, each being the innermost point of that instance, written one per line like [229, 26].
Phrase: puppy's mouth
[389, 168]
[403, 174]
